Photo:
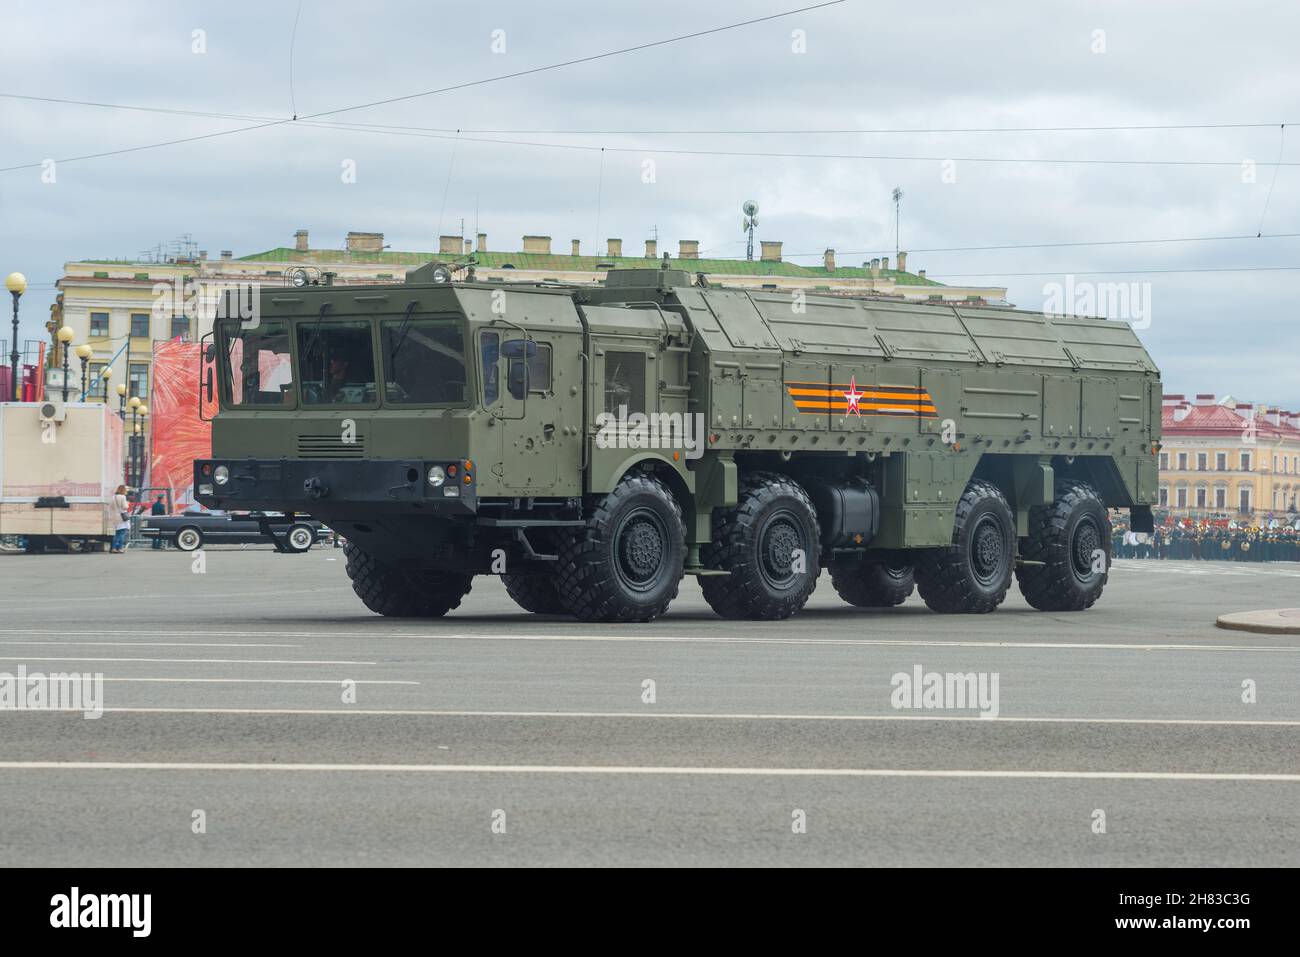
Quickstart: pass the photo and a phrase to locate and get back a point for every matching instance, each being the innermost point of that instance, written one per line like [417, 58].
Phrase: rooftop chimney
[575, 248]
[482, 242]
[875, 269]
[884, 263]
[1205, 398]
[688, 249]
[828, 260]
[226, 254]
[448, 245]
[615, 247]
[537, 244]
[1181, 411]
[902, 262]
[921, 273]
[469, 247]
[651, 249]
[1172, 399]
[1274, 415]
[300, 241]
[771, 251]
[365, 242]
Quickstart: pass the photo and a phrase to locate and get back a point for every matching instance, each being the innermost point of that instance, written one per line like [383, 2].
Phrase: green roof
[552, 263]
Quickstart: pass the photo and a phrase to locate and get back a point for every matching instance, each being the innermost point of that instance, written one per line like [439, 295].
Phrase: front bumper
[334, 486]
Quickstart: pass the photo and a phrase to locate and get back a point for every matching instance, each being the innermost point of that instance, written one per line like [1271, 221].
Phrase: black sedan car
[195, 528]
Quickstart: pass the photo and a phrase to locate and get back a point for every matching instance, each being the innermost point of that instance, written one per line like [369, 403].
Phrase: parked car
[192, 529]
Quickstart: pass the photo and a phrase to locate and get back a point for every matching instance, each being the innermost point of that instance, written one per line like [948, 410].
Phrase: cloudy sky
[856, 66]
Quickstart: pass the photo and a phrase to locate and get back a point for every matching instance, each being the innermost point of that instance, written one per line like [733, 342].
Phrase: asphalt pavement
[255, 713]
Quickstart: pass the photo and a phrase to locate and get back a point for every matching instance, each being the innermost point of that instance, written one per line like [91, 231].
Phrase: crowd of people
[1207, 541]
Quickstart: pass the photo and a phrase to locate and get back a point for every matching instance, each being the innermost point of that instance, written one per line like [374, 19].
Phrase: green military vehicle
[594, 444]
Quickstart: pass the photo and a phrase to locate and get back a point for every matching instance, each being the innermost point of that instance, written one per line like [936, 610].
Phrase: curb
[1276, 621]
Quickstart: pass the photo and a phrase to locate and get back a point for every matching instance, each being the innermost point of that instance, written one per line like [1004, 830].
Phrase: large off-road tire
[396, 593]
[626, 562]
[973, 574]
[1071, 537]
[756, 542]
[872, 584]
[534, 592]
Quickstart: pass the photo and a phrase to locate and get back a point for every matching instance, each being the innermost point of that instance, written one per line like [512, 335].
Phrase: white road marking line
[258, 681]
[155, 644]
[1268, 644]
[645, 770]
[195, 661]
[677, 715]
[153, 596]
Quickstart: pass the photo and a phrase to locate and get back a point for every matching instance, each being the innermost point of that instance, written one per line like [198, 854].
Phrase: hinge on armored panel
[1074, 360]
[796, 346]
[998, 357]
[887, 352]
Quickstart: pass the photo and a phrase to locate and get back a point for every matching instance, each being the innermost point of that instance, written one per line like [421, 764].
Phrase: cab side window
[625, 381]
[490, 352]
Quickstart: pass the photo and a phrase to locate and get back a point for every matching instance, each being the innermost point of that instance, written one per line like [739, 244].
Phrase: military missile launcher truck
[594, 444]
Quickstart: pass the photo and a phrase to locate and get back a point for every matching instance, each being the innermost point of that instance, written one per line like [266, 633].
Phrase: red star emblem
[852, 396]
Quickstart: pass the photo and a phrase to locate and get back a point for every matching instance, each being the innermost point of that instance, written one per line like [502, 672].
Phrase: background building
[1221, 458]
[113, 305]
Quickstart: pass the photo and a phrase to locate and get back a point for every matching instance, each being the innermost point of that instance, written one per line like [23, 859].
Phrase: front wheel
[973, 574]
[769, 544]
[626, 562]
[397, 593]
[1068, 551]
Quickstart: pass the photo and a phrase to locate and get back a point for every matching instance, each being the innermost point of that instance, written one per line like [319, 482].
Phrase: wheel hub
[1087, 542]
[777, 551]
[987, 549]
[640, 549]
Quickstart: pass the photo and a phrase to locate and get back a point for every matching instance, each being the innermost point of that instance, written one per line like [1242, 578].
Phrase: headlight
[437, 475]
[221, 475]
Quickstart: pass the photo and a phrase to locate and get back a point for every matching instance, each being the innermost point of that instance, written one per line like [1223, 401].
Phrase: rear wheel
[626, 563]
[535, 593]
[398, 593]
[872, 584]
[188, 539]
[769, 543]
[973, 574]
[1071, 540]
[300, 537]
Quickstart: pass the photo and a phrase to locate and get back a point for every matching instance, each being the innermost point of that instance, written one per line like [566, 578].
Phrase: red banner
[179, 434]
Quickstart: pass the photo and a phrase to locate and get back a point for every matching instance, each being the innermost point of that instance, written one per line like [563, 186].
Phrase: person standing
[122, 508]
[157, 508]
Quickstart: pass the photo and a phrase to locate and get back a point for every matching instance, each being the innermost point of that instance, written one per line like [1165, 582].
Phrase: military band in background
[1208, 541]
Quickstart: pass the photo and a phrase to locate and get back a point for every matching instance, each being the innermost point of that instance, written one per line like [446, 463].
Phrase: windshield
[257, 369]
[424, 361]
[336, 362]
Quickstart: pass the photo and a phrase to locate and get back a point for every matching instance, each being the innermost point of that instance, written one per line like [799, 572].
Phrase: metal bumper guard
[322, 487]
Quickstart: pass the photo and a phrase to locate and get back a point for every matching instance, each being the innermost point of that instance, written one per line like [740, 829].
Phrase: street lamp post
[143, 457]
[65, 336]
[84, 353]
[121, 401]
[106, 375]
[135, 412]
[16, 283]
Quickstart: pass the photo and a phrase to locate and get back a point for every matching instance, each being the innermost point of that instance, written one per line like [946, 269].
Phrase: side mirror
[207, 386]
[210, 353]
[519, 349]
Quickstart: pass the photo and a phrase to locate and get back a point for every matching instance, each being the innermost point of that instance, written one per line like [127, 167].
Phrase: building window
[139, 381]
[99, 323]
[1220, 498]
[1182, 461]
[1221, 461]
[1245, 461]
[1164, 496]
[1182, 497]
[1202, 461]
[625, 381]
[1164, 461]
[139, 325]
[1275, 463]
[180, 328]
[1245, 498]
[1200, 498]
